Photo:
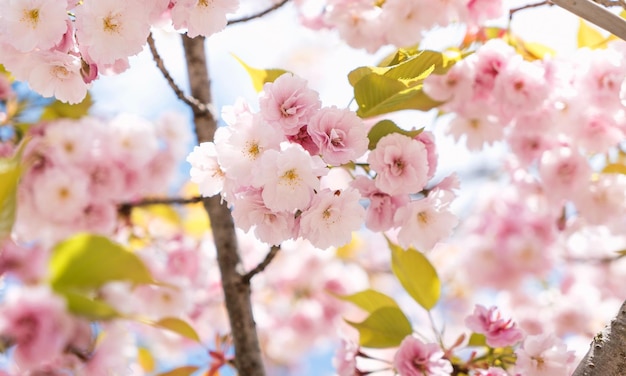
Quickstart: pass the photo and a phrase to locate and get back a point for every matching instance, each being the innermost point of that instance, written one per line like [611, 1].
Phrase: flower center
[31, 16]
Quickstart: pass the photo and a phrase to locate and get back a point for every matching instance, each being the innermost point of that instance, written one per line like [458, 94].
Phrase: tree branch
[596, 14]
[248, 358]
[262, 265]
[193, 102]
[257, 15]
[607, 353]
[512, 11]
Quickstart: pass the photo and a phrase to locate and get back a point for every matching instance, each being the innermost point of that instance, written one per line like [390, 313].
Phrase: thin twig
[188, 99]
[126, 207]
[612, 3]
[262, 265]
[257, 15]
[528, 6]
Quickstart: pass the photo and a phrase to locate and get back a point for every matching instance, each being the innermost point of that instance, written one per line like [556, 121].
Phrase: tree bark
[248, 359]
[607, 353]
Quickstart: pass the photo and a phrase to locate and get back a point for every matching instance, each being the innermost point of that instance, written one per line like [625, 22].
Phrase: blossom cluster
[372, 24]
[275, 168]
[59, 47]
[81, 170]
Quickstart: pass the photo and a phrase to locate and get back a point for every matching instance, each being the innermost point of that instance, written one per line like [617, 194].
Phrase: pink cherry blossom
[205, 169]
[345, 358]
[339, 134]
[490, 60]
[498, 331]
[202, 17]
[521, 87]
[428, 139]
[289, 178]
[37, 322]
[544, 355]
[33, 24]
[482, 10]
[111, 30]
[423, 223]
[401, 164]
[382, 207]
[416, 358]
[565, 171]
[491, 371]
[58, 74]
[358, 23]
[288, 103]
[241, 145]
[269, 226]
[332, 218]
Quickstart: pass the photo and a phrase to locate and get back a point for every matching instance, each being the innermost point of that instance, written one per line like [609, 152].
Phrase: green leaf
[416, 274]
[87, 261]
[378, 95]
[369, 300]
[385, 327]
[84, 306]
[477, 340]
[380, 90]
[261, 76]
[10, 172]
[60, 109]
[181, 371]
[177, 326]
[385, 127]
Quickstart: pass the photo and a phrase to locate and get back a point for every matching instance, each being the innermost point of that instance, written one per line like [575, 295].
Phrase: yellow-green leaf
[369, 300]
[87, 307]
[477, 340]
[261, 76]
[383, 328]
[58, 109]
[87, 261]
[416, 274]
[10, 172]
[145, 359]
[385, 127]
[181, 371]
[588, 36]
[177, 326]
[614, 168]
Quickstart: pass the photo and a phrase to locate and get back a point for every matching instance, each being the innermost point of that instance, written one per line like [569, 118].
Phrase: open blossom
[241, 145]
[498, 332]
[564, 171]
[401, 164]
[57, 74]
[31, 24]
[339, 134]
[269, 226]
[521, 87]
[332, 218]
[288, 103]
[36, 320]
[544, 355]
[345, 358]
[416, 358]
[423, 223]
[382, 207]
[202, 17]
[289, 178]
[205, 170]
[111, 30]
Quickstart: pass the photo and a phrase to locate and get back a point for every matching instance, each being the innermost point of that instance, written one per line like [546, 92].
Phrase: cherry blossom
[543, 355]
[401, 164]
[498, 331]
[288, 103]
[33, 24]
[332, 217]
[416, 358]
